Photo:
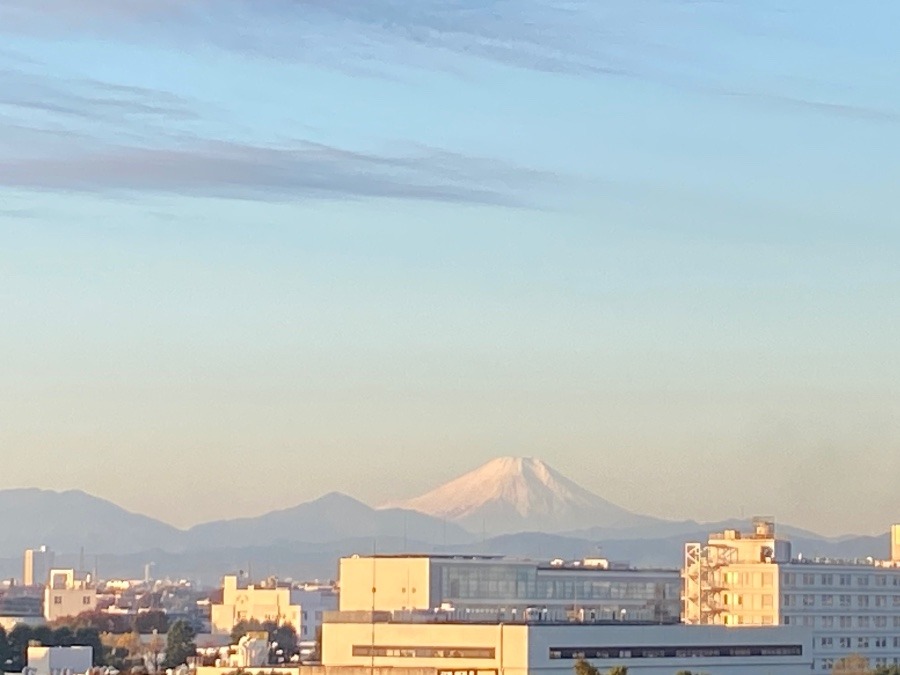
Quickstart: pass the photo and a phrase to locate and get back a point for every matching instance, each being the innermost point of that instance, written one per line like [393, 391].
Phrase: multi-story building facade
[483, 616]
[751, 579]
[271, 601]
[495, 588]
[36, 565]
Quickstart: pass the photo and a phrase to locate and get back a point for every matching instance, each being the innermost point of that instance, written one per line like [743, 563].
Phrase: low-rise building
[502, 589]
[59, 660]
[68, 593]
[449, 648]
[271, 601]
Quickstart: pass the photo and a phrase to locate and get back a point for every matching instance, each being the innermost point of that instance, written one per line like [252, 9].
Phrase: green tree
[286, 638]
[63, 637]
[17, 645]
[583, 667]
[887, 670]
[90, 637]
[154, 620]
[4, 649]
[618, 670]
[243, 627]
[180, 645]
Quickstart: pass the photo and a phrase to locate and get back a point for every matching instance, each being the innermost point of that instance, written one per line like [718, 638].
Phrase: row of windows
[425, 652]
[504, 582]
[845, 621]
[839, 600]
[669, 652]
[844, 579]
[862, 642]
[828, 663]
[877, 642]
[85, 600]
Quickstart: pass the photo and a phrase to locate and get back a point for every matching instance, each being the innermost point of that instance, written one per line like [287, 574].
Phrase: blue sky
[365, 246]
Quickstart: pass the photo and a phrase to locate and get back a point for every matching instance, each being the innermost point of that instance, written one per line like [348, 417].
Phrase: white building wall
[851, 609]
[59, 660]
[312, 606]
[517, 649]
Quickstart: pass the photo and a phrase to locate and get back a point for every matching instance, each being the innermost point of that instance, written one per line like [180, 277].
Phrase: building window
[57, 599]
[844, 600]
[827, 600]
[862, 600]
[844, 579]
[846, 622]
[862, 621]
[862, 580]
[828, 580]
[809, 579]
[880, 642]
[881, 580]
[827, 622]
[827, 642]
[862, 643]
[880, 622]
[86, 600]
[844, 643]
[809, 600]
[426, 652]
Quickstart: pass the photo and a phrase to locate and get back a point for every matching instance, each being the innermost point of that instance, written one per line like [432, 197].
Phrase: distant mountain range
[510, 506]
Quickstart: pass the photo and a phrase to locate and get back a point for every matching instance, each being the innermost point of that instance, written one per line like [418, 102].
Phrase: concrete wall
[62, 602]
[399, 583]
[502, 647]
[517, 649]
[60, 660]
[543, 641]
[252, 603]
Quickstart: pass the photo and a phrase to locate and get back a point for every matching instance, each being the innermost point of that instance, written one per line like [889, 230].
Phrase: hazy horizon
[257, 252]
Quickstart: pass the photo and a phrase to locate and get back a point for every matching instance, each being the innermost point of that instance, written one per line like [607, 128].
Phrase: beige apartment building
[752, 579]
[271, 600]
[68, 593]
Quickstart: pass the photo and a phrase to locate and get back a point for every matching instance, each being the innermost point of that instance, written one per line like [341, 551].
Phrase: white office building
[752, 579]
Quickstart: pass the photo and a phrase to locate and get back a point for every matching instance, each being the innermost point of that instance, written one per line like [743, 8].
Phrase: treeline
[143, 623]
[14, 646]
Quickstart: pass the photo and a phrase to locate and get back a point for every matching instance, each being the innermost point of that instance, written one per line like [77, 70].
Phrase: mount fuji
[521, 494]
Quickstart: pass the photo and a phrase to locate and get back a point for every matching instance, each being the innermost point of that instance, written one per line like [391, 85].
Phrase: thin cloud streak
[230, 170]
[362, 37]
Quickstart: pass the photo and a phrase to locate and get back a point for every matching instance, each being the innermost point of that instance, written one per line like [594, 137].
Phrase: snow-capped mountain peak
[511, 494]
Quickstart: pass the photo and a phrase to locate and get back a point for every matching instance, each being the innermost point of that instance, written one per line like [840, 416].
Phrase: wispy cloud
[307, 170]
[547, 35]
[88, 99]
